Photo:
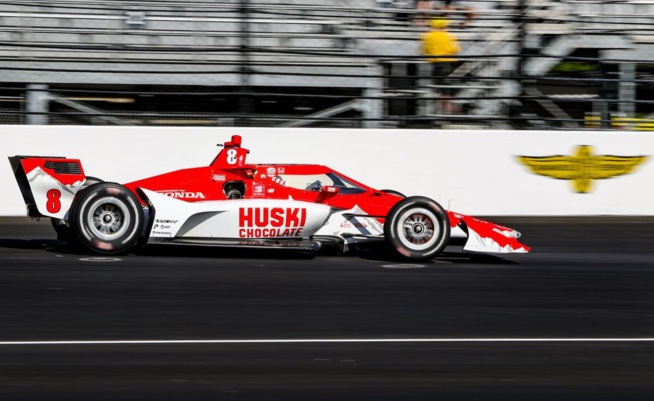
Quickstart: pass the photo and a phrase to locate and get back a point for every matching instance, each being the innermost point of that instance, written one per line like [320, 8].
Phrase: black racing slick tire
[60, 226]
[106, 218]
[417, 228]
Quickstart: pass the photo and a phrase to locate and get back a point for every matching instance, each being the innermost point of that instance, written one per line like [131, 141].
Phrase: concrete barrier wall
[473, 172]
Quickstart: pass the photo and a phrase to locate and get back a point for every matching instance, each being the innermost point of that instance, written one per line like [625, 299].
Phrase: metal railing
[524, 64]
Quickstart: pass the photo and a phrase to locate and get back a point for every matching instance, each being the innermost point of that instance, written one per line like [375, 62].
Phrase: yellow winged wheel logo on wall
[582, 167]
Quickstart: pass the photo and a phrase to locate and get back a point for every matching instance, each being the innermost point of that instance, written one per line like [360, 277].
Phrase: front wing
[486, 237]
[478, 235]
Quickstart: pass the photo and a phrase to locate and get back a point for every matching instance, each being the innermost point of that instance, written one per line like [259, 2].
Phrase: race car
[233, 203]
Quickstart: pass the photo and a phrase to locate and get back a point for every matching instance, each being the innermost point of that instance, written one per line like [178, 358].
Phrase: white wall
[474, 172]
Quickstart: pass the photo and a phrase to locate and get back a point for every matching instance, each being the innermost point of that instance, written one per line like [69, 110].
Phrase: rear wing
[48, 184]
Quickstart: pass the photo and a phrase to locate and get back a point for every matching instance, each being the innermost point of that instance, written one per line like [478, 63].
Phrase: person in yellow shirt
[437, 45]
[439, 42]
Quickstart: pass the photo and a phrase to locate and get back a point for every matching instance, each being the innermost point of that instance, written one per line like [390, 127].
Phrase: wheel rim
[418, 229]
[108, 219]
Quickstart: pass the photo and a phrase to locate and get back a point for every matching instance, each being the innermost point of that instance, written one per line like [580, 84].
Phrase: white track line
[325, 340]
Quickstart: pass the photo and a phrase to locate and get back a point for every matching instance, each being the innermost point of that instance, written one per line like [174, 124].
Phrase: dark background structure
[526, 64]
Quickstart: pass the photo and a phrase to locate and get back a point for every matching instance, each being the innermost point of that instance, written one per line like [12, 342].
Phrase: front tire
[106, 218]
[417, 228]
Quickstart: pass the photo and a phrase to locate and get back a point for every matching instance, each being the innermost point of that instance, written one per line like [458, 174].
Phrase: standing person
[438, 45]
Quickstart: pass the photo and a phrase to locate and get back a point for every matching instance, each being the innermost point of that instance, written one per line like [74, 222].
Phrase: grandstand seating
[202, 42]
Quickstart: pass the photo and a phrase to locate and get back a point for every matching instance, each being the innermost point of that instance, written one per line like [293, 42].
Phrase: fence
[524, 64]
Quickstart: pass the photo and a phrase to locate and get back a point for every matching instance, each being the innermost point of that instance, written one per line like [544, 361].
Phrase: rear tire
[61, 227]
[417, 228]
[106, 218]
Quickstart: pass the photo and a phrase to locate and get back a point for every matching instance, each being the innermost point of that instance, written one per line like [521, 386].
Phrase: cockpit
[316, 182]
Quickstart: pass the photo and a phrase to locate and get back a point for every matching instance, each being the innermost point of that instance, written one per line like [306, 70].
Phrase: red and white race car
[234, 203]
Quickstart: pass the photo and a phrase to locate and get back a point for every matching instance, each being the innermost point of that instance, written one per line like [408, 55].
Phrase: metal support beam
[372, 106]
[627, 90]
[246, 103]
[97, 113]
[37, 98]
[551, 107]
[426, 80]
[522, 43]
[332, 111]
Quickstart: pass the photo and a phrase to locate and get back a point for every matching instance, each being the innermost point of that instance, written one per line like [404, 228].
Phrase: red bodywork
[49, 185]
[208, 183]
[266, 181]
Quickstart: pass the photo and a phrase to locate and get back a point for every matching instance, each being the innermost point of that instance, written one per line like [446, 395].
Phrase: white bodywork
[236, 218]
[339, 225]
[41, 183]
[272, 218]
[477, 243]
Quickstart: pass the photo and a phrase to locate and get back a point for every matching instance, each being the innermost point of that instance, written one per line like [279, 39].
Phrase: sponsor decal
[582, 167]
[347, 224]
[219, 177]
[264, 222]
[263, 176]
[258, 190]
[182, 194]
[271, 190]
[281, 170]
[271, 171]
[279, 180]
[162, 229]
[166, 221]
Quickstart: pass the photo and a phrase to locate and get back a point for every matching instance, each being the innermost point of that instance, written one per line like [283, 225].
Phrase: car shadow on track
[376, 253]
[157, 250]
[194, 251]
[453, 254]
[29, 243]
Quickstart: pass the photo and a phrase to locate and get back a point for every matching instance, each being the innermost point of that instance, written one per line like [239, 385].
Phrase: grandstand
[525, 63]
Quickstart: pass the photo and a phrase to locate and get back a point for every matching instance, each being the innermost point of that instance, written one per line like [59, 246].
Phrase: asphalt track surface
[573, 320]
